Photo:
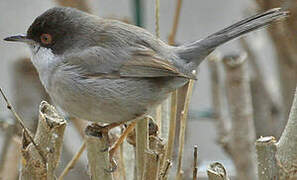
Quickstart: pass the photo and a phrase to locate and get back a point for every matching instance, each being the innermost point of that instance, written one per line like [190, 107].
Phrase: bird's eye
[46, 39]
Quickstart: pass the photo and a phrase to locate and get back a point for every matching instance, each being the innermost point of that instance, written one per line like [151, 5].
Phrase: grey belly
[111, 100]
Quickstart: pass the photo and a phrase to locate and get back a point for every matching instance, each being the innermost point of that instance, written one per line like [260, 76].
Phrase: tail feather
[197, 51]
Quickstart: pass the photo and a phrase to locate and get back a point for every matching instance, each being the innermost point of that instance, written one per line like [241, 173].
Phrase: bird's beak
[18, 38]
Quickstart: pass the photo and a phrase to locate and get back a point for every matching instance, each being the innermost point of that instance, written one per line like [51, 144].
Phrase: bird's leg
[105, 129]
[121, 139]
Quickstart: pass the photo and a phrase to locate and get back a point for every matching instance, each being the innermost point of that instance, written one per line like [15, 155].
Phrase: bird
[108, 71]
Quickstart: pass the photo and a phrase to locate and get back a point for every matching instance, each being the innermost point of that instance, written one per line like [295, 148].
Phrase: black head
[57, 28]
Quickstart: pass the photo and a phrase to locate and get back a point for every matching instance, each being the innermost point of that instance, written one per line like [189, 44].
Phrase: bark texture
[49, 138]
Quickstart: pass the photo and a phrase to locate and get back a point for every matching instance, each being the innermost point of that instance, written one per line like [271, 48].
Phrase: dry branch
[49, 138]
[240, 144]
[287, 145]
[216, 171]
[98, 154]
[267, 164]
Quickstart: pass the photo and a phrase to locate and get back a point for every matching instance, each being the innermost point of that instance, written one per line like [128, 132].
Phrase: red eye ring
[46, 39]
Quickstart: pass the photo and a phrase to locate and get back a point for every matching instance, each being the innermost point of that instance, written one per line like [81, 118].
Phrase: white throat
[44, 61]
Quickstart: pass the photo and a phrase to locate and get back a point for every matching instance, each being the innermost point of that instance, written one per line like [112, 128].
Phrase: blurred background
[197, 20]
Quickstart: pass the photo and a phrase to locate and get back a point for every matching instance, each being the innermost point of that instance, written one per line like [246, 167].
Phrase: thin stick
[157, 30]
[173, 113]
[195, 164]
[73, 161]
[183, 128]
[172, 35]
[9, 106]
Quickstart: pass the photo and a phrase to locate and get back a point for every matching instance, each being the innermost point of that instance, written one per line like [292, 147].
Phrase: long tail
[197, 51]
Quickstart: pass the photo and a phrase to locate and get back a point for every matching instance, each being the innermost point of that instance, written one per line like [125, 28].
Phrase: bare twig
[266, 153]
[216, 171]
[97, 145]
[173, 112]
[287, 145]
[183, 123]
[28, 133]
[49, 137]
[73, 161]
[195, 164]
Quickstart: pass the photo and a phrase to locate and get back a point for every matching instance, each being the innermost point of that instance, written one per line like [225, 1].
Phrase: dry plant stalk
[242, 135]
[266, 153]
[195, 164]
[49, 137]
[216, 171]
[141, 145]
[287, 145]
[98, 155]
[182, 131]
